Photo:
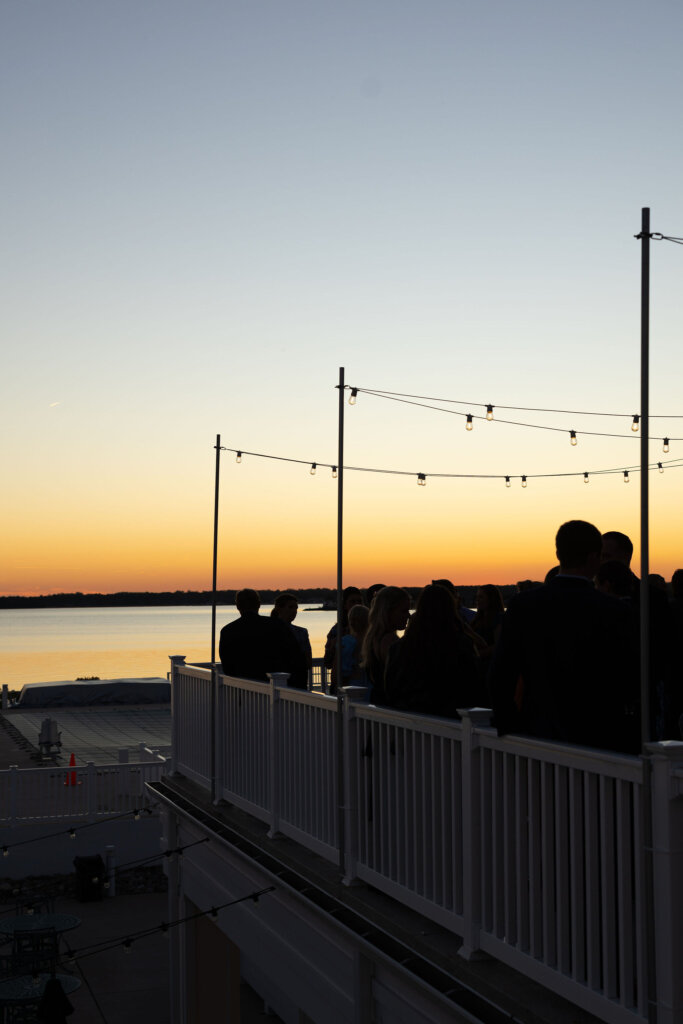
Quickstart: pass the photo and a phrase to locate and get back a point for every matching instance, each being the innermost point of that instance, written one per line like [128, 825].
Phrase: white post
[349, 781]
[277, 681]
[471, 830]
[177, 661]
[667, 856]
[219, 737]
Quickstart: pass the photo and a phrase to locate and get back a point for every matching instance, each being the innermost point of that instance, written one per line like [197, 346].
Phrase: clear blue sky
[208, 207]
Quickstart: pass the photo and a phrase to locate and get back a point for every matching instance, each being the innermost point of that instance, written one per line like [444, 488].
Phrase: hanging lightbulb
[489, 412]
[585, 478]
[72, 833]
[660, 467]
[666, 445]
[626, 476]
[334, 472]
[238, 457]
[126, 945]
[523, 481]
[634, 425]
[164, 929]
[421, 480]
[5, 851]
[214, 913]
[572, 436]
[314, 466]
[353, 396]
[507, 481]
[136, 815]
[468, 421]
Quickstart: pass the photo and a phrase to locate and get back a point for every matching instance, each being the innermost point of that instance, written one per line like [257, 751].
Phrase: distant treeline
[313, 596]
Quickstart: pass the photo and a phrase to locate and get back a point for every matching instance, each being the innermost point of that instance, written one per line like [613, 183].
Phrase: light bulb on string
[238, 457]
[634, 425]
[468, 421]
[353, 396]
[489, 412]
[523, 481]
[136, 815]
[585, 478]
[421, 480]
[665, 447]
[507, 481]
[626, 476]
[314, 466]
[660, 467]
[334, 472]
[5, 851]
[164, 929]
[72, 833]
[126, 945]
[572, 437]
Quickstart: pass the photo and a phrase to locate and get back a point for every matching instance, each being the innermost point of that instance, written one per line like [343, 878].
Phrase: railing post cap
[671, 750]
[177, 659]
[477, 716]
[278, 678]
[356, 693]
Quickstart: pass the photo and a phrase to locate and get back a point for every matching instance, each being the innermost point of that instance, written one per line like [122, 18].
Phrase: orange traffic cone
[71, 775]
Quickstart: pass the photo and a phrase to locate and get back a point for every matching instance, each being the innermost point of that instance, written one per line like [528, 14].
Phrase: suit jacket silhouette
[254, 645]
[564, 667]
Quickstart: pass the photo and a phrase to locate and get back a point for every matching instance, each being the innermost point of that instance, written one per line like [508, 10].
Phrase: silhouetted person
[350, 597]
[432, 669]
[285, 608]
[563, 668]
[254, 645]
[389, 613]
[664, 698]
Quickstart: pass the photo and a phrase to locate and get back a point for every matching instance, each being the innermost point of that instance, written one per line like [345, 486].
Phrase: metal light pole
[340, 613]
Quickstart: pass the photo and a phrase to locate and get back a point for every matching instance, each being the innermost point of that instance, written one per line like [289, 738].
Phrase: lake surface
[40, 645]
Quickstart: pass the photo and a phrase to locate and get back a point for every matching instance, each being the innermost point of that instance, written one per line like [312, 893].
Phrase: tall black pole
[646, 723]
[340, 614]
[214, 674]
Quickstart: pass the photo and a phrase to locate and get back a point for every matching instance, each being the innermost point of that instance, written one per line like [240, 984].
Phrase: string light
[72, 833]
[334, 472]
[572, 437]
[626, 476]
[468, 421]
[421, 480]
[634, 425]
[214, 913]
[489, 412]
[660, 467]
[523, 481]
[127, 945]
[665, 447]
[238, 457]
[5, 851]
[353, 396]
[585, 478]
[136, 815]
[507, 481]
[164, 929]
[314, 466]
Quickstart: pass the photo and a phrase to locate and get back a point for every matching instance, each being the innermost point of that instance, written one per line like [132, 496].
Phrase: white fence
[532, 852]
[32, 795]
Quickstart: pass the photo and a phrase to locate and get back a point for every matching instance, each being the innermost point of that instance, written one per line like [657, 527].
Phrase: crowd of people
[562, 662]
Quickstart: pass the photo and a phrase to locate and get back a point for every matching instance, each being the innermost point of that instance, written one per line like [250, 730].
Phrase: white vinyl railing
[33, 795]
[531, 851]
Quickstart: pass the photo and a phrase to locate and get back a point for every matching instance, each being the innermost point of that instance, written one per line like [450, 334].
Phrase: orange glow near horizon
[394, 532]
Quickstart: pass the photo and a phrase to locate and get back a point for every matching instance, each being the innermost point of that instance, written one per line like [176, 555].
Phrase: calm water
[45, 644]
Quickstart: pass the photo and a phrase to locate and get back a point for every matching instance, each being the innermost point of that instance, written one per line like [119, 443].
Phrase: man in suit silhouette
[563, 669]
[254, 645]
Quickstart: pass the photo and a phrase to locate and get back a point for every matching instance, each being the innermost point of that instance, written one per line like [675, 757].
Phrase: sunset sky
[208, 208]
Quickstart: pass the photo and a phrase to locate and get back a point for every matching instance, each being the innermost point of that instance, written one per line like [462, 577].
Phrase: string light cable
[489, 407]
[73, 829]
[469, 417]
[47, 891]
[127, 940]
[422, 477]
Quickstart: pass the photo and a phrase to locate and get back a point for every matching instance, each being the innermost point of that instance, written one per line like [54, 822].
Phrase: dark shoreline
[138, 599]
